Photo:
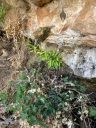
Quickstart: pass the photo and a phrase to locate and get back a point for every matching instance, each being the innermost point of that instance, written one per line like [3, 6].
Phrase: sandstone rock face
[86, 21]
[23, 3]
[73, 32]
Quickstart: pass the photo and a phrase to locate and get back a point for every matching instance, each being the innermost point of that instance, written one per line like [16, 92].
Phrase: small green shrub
[92, 111]
[2, 12]
[30, 100]
[52, 58]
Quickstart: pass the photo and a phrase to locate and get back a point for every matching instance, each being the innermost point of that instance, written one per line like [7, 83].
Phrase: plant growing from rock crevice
[52, 58]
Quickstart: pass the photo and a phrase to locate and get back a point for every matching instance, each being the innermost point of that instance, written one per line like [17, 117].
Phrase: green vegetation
[3, 97]
[2, 12]
[38, 102]
[92, 112]
[52, 58]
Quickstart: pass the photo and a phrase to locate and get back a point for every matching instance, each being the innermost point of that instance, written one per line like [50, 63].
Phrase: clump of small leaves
[52, 58]
[31, 102]
[2, 12]
[92, 112]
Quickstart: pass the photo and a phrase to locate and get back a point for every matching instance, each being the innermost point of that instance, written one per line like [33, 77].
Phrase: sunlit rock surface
[73, 32]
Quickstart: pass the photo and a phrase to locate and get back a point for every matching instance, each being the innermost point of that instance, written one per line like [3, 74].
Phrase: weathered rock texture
[73, 32]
